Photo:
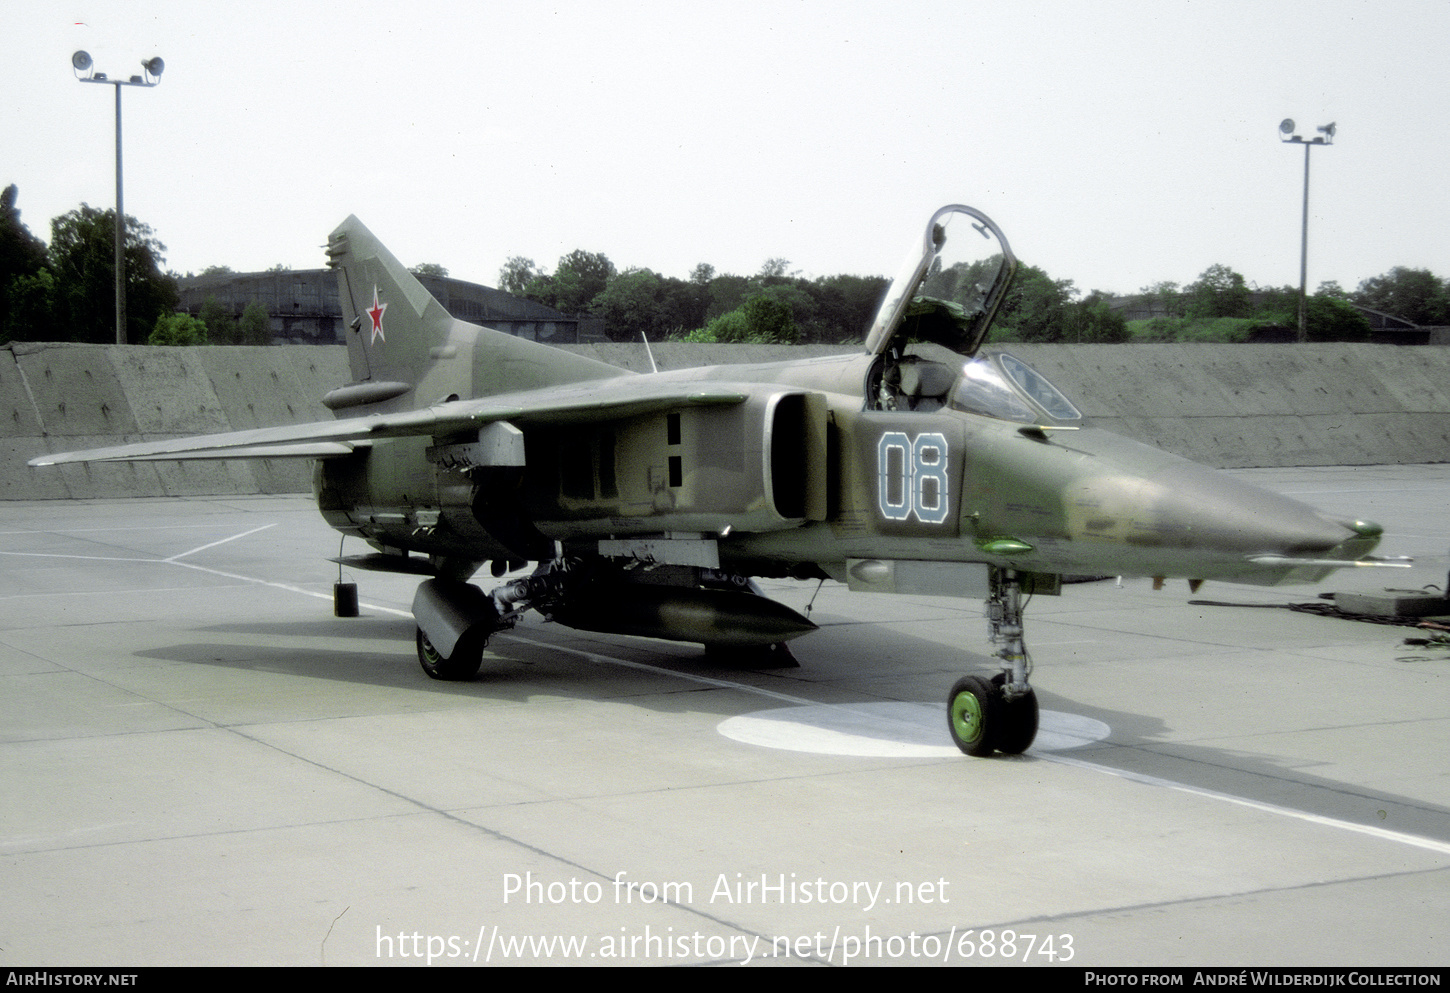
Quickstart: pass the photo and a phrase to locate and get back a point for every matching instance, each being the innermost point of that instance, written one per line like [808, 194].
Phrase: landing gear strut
[1001, 714]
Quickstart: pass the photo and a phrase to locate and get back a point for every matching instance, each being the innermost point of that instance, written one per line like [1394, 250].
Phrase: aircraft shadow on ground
[546, 658]
[379, 651]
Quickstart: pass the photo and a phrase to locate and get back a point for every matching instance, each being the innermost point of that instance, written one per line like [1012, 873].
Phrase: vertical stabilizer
[406, 350]
[392, 323]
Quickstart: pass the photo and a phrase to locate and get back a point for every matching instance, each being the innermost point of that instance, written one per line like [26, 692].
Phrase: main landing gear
[1000, 714]
[455, 621]
[461, 666]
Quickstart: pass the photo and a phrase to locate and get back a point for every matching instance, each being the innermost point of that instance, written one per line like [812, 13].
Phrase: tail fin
[406, 350]
[393, 323]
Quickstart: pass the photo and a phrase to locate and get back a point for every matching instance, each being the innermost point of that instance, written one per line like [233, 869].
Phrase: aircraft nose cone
[1200, 507]
[1143, 511]
[1096, 502]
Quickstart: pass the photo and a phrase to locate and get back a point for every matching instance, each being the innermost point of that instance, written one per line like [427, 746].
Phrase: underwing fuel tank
[727, 618]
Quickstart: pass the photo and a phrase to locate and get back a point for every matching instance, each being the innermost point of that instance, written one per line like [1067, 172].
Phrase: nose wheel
[982, 720]
[972, 715]
[1017, 719]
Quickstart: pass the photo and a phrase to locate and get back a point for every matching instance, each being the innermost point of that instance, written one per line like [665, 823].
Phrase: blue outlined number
[912, 477]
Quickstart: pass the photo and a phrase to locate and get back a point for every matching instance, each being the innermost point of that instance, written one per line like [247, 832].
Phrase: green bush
[177, 329]
[255, 327]
[763, 319]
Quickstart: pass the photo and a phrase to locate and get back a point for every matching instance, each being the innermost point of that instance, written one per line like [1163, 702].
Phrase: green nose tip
[1365, 529]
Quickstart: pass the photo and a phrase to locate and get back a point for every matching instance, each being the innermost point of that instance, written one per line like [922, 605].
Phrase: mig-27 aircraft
[922, 464]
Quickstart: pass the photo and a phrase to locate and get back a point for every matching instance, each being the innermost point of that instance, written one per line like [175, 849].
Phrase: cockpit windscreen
[1004, 386]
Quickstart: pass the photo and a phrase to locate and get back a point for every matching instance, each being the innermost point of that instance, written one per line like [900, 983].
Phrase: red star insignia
[376, 313]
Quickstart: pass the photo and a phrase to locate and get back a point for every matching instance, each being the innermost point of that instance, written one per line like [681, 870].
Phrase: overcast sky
[1117, 143]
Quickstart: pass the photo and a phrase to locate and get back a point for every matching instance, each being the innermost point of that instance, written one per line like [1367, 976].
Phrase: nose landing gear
[1000, 714]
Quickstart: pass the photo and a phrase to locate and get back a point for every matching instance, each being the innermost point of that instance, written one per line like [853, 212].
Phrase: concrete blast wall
[1223, 405]
[57, 398]
[1230, 406]
[1234, 406]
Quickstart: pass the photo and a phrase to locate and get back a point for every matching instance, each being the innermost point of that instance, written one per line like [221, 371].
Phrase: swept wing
[622, 397]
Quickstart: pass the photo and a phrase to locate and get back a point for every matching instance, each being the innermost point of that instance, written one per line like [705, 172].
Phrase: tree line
[65, 291]
[772, 305]
[775, 307]
[1220, 305]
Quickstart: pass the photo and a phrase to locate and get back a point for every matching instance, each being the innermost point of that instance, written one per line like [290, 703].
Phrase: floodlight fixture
[81, 63]
[1287, 135]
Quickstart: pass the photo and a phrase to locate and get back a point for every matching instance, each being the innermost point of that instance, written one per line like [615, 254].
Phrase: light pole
[81, 63]
[1287, 136]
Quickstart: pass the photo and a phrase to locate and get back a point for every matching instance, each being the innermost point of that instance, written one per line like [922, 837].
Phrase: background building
[303, 307]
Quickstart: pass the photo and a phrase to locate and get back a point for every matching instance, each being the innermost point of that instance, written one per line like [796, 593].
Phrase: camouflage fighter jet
[922, 465]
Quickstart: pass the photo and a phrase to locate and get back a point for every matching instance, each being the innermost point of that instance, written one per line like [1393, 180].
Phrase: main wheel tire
[1017, 726]
[461, 666]
[973, 716]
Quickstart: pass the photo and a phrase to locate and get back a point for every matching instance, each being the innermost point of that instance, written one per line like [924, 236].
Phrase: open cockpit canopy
[934, 318]
[951, 284]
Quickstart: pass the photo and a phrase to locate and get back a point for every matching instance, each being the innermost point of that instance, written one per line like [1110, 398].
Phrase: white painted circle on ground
[888, 730]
